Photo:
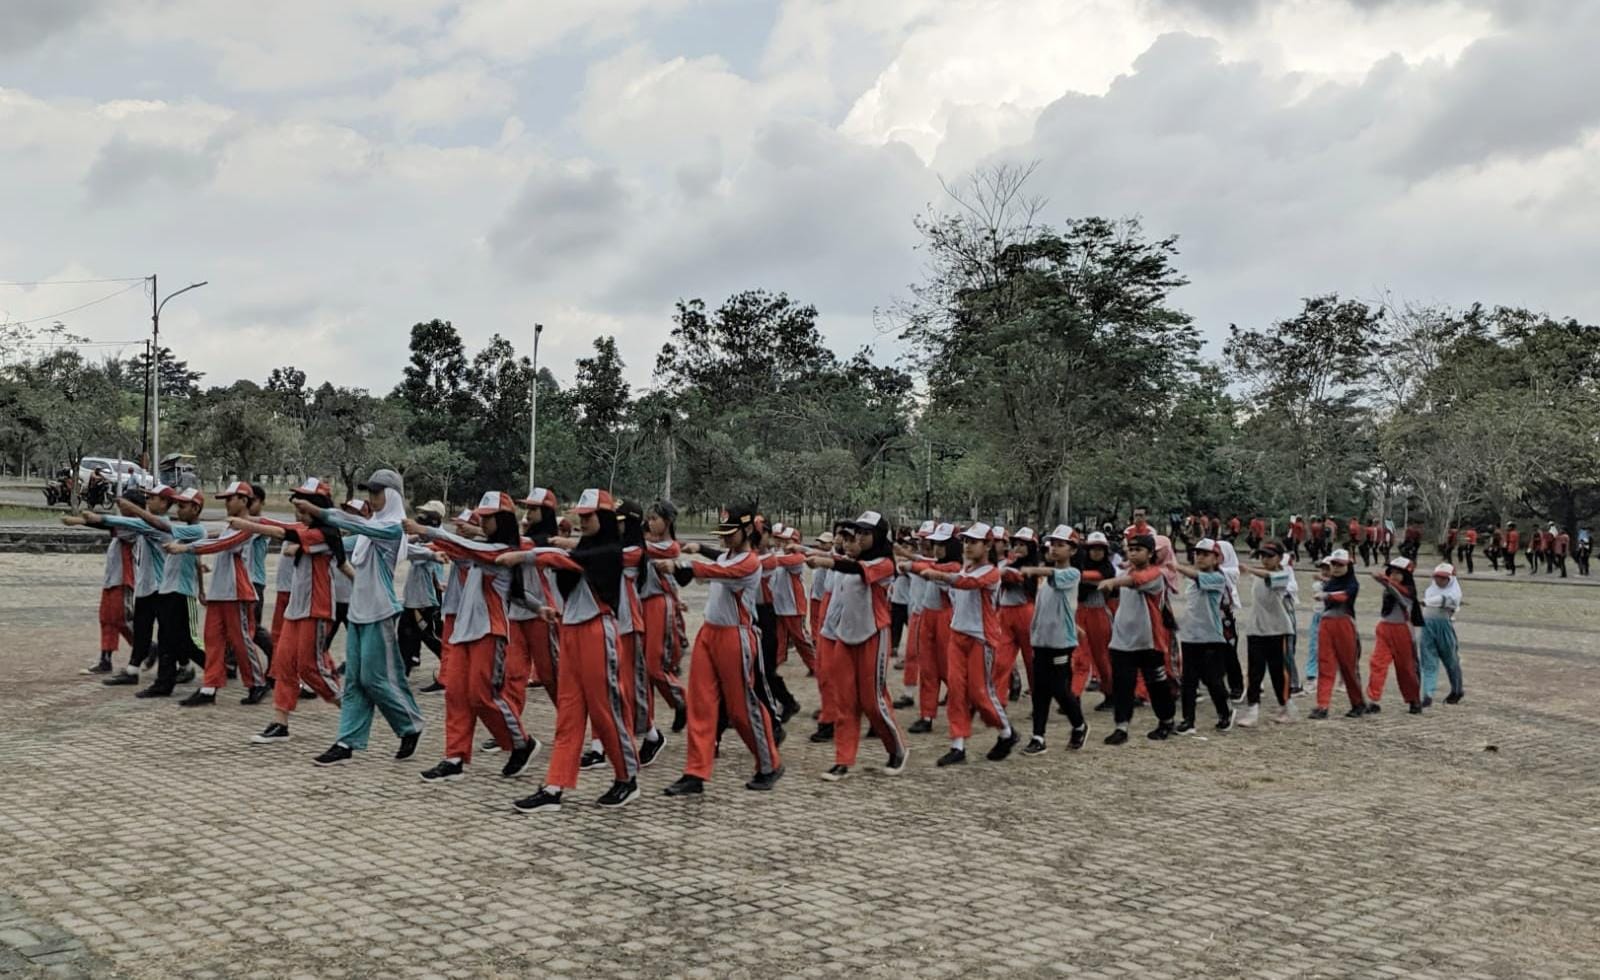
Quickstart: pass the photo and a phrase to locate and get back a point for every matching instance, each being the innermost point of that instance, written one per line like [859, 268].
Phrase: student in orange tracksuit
[116, 589]
[665, 638]
[726, 657]
[1338, 646]
[230, 607]
[788, 589]
[974, 640]
[1094, 619]
[636, 570]
[859, 617]
[1016, 614]
[941, 553]
[912, 585]
[532, 632]
[826, 640]
[475, 672]
[596, 674]
[819, 590]
[1396, 642]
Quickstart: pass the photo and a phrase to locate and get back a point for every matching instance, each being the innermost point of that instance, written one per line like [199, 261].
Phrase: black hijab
[600, 554]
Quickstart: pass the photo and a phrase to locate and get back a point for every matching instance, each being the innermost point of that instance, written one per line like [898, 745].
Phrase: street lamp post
[154, 363]
[533, 421]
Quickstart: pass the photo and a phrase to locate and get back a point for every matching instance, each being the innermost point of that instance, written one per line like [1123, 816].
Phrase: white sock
[454, 758]
[654, 735]
[959, 744]
[1122, 727]
[208, 690]
[595, 746]
[1006, 731]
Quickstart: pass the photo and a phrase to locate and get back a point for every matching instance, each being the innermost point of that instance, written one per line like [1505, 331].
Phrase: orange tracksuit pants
[814, 623]
[596, 693]
[826, 670]
[116, 617]
[662, 651]
[301, 657]
[722, 678]
[913, 658]
[860, 684]
[1395, 645]
[1016, 622]
[524, 633]
[1094, 638]
[1338, 650]
[972, 685]
[935, 667]
[792, 632]
[474, 685]
[231, 627]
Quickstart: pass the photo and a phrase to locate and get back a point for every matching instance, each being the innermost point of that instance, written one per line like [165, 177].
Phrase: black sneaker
[489, 745]
[1454, 698]
[779, 733]
[1163, 731]
[1318, 714]
[255, 695]
[336, 755]
[1035, 746]
[155, 691]
[408, 746]
[649, 749]
[1105, 705]
[272, 733]
[824, 733]
[789, 711]
[1079, 736]
[543, 801]
[1093, 684]
[686, 786]
[761, 782]
[1237, 697]
[1226, 724]
[1185, 727]
[680, 719]
[954, 757]
[592, 760]
[1016, 688]
[185, 675]
[1117, 737]
[921, 726]
[1003, 746]
[197, 699]
[1415, 707]
[435, 688]
[1359, 711]
[904, 701]
[620, 795]
[120, 679]
[307, 694]
[896, 764]
[1373, 707]
[835, 774]
[445, 772]
[1427, 702]
[517, 760]
[102, 666]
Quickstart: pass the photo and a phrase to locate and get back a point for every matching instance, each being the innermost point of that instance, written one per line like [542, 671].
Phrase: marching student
[1233, 671]
[1439, 645]
[116, 590]
[282, 582]
[912, 548]
[826, 639]
[974, 642]
[787, 588]
[723, 664]
[1094, 619]
[1140, 640]
[1338, 646]
[665, 638]
[1395, 642]
[596, 689]
[1270, 629]
[1318, 587]
[258, 574]
[1469, 544]
[149, 562]
[419, 615]
[177, 596]
[778, 695]
[1536, 550]
[1291, 603]
[230, 621]
[942, 553]
[1200, 635]
[631, 626]
[859, 619]
[300, 655]
[1512, 542]
[480, 634]
[900, 613]
[538, 640]
[819, 590]
[1016, 613]
[1053, 635]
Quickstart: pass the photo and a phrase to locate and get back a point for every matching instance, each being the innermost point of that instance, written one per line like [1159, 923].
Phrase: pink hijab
[1168, 562]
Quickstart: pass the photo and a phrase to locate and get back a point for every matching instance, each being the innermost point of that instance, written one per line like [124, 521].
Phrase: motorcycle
[100, 492]
[59, 490]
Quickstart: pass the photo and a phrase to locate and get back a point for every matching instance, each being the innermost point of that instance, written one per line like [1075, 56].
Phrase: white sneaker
[1249, 717]
[1284, 715]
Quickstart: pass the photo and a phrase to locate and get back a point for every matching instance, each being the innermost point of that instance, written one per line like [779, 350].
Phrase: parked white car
[126, 470]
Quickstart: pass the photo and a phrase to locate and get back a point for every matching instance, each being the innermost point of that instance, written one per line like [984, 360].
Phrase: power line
[82, 306]
[70, 282]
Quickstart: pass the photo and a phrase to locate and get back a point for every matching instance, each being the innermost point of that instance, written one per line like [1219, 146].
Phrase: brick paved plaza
[140, 839]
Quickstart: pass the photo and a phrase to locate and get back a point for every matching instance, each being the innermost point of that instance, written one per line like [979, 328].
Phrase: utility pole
[144, 424]
[533, 415]
[155, 367]
[927, 483]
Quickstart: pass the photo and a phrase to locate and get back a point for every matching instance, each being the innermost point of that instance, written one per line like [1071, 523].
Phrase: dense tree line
[1047, 369]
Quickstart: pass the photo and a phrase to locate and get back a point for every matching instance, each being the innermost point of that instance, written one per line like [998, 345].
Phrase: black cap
[736, 517]
[1272, 548]
[667, 509]
[1145, 541]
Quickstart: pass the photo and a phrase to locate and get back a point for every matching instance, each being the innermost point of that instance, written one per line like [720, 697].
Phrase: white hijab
[1230, 568]
[1447, 596]
[392, 512]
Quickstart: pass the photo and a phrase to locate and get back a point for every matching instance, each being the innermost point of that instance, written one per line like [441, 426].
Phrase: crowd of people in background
[958, 620]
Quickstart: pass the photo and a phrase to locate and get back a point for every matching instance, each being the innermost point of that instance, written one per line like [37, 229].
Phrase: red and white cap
[1207, 544]
[360, 507]
[495, 502]
[942, 532]
[1024, 534]
[189, 495]
[998, 532]
[540, 497]
[926, 529]
[1339, 555]
[868, 520]
[163, 491]
[1444, 568]
[312, 485]
[592, 500]
[1097, 538]
[978, 532]
[465, 517]
[1062, 533]
[238, 488]
[1401, 562]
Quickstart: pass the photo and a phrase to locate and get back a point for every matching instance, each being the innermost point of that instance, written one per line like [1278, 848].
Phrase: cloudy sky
[341, 170]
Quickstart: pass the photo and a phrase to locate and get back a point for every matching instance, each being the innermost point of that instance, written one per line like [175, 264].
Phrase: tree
[498, 382]
[751, 345]
[236, 432]
[177, 381]
[344, 429]
[601, 398]
[73, 405]
[434, 384]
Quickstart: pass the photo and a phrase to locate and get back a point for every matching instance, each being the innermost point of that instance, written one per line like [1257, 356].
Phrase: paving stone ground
[138, 839]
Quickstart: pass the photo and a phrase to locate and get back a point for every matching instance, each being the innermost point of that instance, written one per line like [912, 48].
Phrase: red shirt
[1355, 529]
[1513, 538]
[1472, 536]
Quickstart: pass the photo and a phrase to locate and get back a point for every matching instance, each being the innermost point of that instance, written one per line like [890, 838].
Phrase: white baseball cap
[1444, 568]
[1339, 555]
[1207, 544]
[1024, 534]
[1401, 562]
[943, 532]
[1062, 533]
[926, 529]
[978, 532]
[1097, 538]
[869, 520]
